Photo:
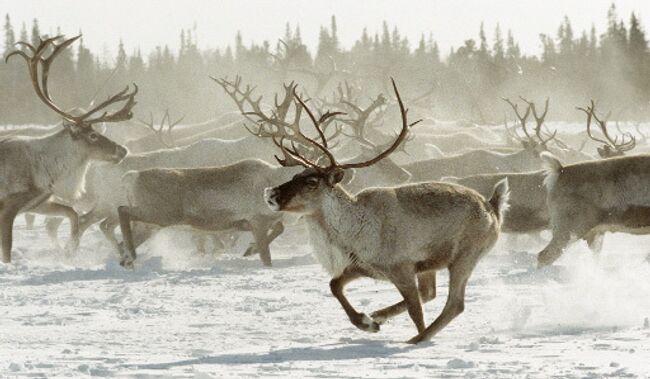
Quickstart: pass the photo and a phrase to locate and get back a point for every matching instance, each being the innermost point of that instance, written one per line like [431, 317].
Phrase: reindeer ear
[73, 129]
[348, 177]
[100, 128]
[335, 176]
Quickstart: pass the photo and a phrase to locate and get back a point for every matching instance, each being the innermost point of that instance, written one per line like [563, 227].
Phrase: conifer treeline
[612, 67]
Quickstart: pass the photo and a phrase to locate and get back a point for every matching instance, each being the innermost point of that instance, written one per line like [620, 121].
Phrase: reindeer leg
[125, 217]
[6, 231]
[262, 245]
[360, 320]
[29, 220]
[107, 226]
[459, 273]
[87, 220]
[404, 278]
[555, 247]
[427, 290]
[272, 233]
[53, 208]
[595, 242]
[199, 240]
[52, 227]
[9, 209]
[260, 230]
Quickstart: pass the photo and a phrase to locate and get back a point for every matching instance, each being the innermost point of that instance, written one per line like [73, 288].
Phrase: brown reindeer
[400, 234]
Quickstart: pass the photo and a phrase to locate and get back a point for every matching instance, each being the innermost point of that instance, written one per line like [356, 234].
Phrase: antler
[163, 130]
[523, 120]
[276, 125]
[40, 59]
[539, 120]
[611, 146]
[330, 157]
[362, 119]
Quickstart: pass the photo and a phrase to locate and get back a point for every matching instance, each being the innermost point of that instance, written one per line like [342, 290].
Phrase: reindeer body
[426, 225]
[594, 197]
[50, 163]
[211, 199]
[527, 212]
[473, 163]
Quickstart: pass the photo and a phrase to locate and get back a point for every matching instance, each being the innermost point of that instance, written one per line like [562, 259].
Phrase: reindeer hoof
[545, 258]
[367, 324]
[417, 339]
[252, 250]
[127, 264]
[378, 317]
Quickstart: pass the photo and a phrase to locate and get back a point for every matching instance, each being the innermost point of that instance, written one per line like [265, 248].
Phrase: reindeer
[611, 147]
[216, 198]
[609, 195]
[486, 161]
[34, 169]
[399, 234]
[210, 199]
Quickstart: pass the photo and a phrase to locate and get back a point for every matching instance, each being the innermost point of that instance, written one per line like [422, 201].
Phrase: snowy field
[186, 316]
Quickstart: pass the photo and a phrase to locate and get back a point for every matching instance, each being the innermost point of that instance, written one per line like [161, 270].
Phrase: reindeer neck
[340, 216]
[59, 159]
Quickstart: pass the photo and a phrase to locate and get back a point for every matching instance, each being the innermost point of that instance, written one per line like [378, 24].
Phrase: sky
[146, 24]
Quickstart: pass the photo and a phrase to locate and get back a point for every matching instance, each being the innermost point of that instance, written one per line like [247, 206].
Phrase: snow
[182, 315]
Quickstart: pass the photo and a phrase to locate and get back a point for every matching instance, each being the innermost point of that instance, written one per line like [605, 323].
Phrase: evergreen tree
[498, 49]
[36, 33]
[10, 37]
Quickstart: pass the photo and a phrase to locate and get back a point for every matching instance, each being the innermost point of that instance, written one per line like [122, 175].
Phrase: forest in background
[466, 83]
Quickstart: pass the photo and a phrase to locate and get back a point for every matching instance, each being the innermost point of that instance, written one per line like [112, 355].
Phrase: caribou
[611, 147]
[587, 198]
[34, 169]
[400, 234]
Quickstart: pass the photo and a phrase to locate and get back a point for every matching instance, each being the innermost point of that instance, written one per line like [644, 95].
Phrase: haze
[146, 24]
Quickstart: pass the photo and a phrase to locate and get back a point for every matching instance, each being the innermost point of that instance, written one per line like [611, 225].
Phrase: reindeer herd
[390, 207]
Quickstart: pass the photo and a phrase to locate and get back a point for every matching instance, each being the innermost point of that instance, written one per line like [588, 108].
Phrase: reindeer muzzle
[120, 153]
[271, 198]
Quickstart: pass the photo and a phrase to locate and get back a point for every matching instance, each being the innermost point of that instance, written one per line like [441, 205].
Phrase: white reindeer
[33, 169]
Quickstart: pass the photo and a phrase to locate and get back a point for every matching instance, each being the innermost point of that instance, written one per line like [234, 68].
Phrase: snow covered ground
[182, 315]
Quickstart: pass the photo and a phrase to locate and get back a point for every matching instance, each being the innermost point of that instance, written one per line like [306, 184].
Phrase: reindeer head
[306, 192]
[538, 142]
[98, 146]
[79, 127]
[611, 147]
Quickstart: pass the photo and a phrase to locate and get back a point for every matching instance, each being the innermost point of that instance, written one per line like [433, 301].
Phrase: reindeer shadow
[357, 349]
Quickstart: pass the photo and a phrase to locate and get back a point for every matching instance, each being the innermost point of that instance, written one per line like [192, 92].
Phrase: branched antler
[39, 63]
[322, 146]
[276, 123]
[611, 147]
[539, 120]
[164, 130]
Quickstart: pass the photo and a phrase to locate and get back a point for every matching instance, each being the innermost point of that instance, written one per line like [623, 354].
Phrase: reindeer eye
[312, 182]
[93, 137]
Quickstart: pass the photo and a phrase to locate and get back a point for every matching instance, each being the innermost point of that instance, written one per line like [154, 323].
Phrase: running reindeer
[401, 234]
[590, 198]
[33, 170]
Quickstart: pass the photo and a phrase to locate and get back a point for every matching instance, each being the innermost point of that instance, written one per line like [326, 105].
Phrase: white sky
[148, 23]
